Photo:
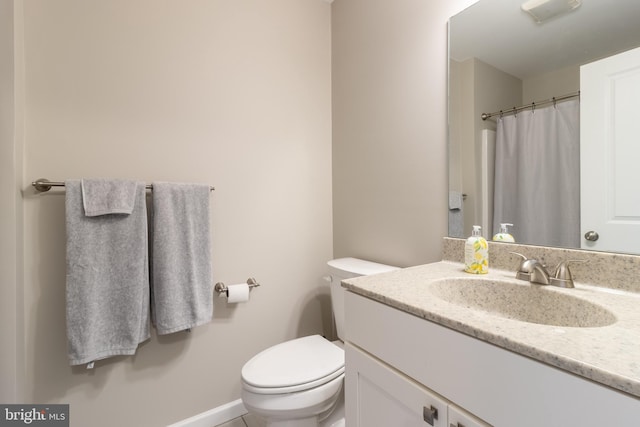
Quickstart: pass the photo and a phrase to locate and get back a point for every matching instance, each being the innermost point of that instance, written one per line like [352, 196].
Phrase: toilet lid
[294, 363]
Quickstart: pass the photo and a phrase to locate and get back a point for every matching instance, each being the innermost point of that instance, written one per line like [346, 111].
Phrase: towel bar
[43, 184]
[221, 288]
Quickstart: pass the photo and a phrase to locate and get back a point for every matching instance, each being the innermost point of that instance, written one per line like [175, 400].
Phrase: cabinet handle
[429, 414]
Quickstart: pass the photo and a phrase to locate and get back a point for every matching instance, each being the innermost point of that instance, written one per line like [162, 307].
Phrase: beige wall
[555, 83]
[8, 214]
[232, 93]
[389, 128]
[237, 94]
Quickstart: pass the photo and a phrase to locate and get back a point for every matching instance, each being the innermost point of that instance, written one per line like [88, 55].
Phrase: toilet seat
[293, 366]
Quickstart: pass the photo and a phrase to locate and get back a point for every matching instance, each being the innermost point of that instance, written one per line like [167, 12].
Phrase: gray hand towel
[107, 278]
[456, 216]
[182, 286]
[108, 196]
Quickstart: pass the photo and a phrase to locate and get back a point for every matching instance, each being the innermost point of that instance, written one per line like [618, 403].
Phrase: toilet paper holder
[221, 288]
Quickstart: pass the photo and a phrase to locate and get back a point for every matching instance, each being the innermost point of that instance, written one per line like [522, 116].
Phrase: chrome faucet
[535, 272]
[540, 274]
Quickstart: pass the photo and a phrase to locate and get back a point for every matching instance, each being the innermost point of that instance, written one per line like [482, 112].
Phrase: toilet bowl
[298, 383]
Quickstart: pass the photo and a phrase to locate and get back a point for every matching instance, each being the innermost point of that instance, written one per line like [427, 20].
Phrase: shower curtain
[537, 175]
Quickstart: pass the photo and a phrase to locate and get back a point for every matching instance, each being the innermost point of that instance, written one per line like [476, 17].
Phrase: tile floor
[244, 421]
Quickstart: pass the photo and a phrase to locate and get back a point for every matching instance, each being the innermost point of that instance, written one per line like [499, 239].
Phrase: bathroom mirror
[501, 58]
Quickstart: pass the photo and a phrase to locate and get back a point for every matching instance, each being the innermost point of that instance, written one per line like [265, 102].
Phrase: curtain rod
[533, 105]
[43, 185]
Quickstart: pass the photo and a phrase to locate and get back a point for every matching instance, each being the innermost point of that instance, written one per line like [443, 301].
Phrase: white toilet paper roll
[238, 293]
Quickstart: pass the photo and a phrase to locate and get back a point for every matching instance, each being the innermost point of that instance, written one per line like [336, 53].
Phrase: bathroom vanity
[417, 355]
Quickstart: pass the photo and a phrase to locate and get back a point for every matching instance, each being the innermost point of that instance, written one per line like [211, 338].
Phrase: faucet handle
[525, 268]
[562, 275]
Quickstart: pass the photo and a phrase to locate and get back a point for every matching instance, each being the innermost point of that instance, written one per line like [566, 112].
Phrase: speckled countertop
[609, 355]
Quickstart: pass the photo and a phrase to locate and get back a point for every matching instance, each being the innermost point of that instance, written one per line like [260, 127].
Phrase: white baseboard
[215, 416]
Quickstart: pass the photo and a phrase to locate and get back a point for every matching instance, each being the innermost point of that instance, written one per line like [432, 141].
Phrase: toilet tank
[345, 268]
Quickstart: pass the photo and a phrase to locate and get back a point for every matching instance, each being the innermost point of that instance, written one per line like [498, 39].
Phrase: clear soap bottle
[476, 253]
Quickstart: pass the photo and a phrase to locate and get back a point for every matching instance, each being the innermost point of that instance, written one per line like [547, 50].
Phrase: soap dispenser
[476, 253]
[503, 235]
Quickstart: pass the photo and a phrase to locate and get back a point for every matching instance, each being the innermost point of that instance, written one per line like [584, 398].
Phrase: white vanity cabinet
[397, 364]
[380, 396]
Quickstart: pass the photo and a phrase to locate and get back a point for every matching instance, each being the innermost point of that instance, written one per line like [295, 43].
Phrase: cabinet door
[379, 396]
[460, 418]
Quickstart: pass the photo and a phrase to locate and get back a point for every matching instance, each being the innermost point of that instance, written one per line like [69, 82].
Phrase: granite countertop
[609, 355]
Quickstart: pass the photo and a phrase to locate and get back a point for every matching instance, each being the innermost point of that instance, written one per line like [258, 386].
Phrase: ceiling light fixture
[544, 10]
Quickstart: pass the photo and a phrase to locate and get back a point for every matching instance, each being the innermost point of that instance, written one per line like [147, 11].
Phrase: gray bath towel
[107, 277]
[182, 286]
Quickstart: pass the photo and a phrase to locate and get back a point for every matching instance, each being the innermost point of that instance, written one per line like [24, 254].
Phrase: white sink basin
[525, 302]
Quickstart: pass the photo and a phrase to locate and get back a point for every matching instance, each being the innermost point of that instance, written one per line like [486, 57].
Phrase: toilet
[298, 383]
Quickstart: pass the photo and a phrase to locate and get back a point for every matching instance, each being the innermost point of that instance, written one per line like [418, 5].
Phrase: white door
[379, 396]
[610, 153]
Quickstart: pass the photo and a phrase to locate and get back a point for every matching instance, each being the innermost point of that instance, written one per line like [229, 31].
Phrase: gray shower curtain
[537, 175]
